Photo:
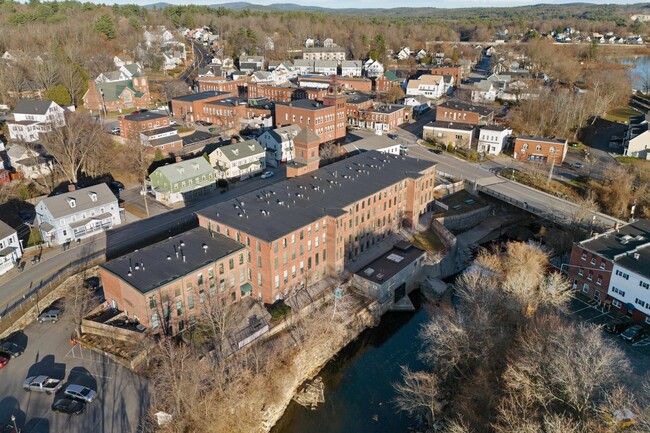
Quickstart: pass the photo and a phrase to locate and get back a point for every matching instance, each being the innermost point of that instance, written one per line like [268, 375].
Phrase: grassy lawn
[634, 161]
[184, 129]
[621, 114]
[428, 241]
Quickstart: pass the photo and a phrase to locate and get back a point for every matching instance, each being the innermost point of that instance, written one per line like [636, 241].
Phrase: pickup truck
[42, 384]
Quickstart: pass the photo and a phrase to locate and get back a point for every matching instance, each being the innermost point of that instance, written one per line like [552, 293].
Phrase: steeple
[306, 156]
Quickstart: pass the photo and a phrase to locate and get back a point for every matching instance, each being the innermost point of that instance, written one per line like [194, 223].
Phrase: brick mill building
[189, 108]
[614, 268]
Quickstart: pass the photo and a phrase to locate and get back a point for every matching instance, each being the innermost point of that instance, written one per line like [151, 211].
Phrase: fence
[19, 307]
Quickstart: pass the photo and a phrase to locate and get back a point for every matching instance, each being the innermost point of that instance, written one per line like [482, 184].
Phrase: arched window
[538, 148]
[552, 149]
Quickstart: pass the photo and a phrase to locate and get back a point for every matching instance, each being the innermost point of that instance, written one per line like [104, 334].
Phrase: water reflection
[359, 381]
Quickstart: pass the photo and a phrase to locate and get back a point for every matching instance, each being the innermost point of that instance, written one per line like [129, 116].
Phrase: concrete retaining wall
[466, 220]
[450, 188]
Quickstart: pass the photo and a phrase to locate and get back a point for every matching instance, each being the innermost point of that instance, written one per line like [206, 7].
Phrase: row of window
[538, 148]
[622, 274]
[593, 261]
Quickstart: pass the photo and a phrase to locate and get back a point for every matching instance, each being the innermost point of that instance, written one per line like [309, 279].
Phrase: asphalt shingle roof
[59, 205]
[241, 150]
[32, 106]
[299, 201]
[5, 230]
[188, 169]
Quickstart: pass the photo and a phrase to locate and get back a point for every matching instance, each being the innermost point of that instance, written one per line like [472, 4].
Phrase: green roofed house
[239, 160]
[182, 181]
[118, 90]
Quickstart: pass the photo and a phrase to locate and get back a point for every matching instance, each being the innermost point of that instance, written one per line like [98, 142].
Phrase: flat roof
[450, 125]
[198, 96]
[294, 203]
[158, 264]
[542, 139]
[158, 131]
[462, 106]
[306, 104]
[147, 115]
[389, 264]
[494, 128]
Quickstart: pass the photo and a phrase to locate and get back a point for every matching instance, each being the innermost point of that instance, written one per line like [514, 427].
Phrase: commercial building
[167, 285]
[189, 108]
[165, 139]
[431, 86]
[308, 227]
[379, 143]
[132, 125]
[220, 84]
[378, 117]
[77, 214]
[449, 133]
[614, 268]
[460, 112]
[283, 93]
[492, 139]
[543, 150]
[327, 118]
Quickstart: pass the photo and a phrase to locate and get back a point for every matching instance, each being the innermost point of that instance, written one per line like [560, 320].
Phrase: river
[359, 381]
[639, 69]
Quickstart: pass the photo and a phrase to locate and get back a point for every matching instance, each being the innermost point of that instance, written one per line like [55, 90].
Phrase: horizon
[369, 4]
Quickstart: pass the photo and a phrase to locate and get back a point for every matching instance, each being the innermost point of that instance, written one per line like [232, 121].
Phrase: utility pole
[550, 173]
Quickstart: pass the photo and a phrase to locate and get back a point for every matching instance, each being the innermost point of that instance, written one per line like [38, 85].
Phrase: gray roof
[461, 106]
[158, 131]
[147, 115]
[32, 106]
[301, 62]
[59, 205]
[376, 142]
[325, 64]
[542, 139]
[165, 140]
[5, 230]
[306, 135]
[158, 265]
[450, 125]
[497, 128]
[629, 247]
[307, 104]
[390, 263]
[339, 185]
[290, 130]
[351, 63]
[484, 85]
[198, 96]
[241, 150]
[180, 171]
[324, 50]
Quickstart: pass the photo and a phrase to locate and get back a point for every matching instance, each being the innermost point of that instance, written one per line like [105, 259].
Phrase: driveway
[122, 399]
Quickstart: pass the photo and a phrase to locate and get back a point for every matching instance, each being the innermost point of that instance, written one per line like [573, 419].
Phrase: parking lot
[638, 353]
[122, 398]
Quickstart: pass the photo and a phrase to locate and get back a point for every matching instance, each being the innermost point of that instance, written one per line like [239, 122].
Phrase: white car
[267, 174]
[115, 130]
[79, 392]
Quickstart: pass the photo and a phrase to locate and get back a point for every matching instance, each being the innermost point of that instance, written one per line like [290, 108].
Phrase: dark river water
[359, 381]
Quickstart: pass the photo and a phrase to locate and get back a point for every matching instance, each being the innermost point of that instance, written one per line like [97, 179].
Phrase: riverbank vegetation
[508, 358]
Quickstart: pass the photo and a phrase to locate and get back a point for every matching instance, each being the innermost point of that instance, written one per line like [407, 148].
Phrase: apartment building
[10, 248]
[167, 285]
[189, 108]
[324, 53]
[614, 268]
[308, 227]
[460, 112]
[238, 160]
[32, 118]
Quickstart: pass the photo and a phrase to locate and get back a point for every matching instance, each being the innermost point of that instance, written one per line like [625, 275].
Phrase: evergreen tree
[105, 25]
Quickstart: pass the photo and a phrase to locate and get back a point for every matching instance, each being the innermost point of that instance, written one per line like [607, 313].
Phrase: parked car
[4, 360]
[267, 174]
[393, 136]
[436, 151]
[69, 406]
[617, 326]
[11, 349]
[633, 333]
[78, 392]
[116, 185]
[42, 384]
[49, 316]
[115, 130]
[578, 165]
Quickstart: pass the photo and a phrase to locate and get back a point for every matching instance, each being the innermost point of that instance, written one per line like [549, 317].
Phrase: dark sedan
[69, 406]
[633, 333]
[436, 151]
[11, 349]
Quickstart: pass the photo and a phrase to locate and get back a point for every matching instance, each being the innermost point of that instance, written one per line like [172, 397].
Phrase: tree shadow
[37, 425]
[49, 367]
[19, 338]
[9, 407]
[79, 376]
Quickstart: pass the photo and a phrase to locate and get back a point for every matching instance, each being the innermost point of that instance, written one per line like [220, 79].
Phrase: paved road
[14, 284]
[200, 60]
[122, 399]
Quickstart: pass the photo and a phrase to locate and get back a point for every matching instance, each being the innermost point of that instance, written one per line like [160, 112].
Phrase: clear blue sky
[372, 3]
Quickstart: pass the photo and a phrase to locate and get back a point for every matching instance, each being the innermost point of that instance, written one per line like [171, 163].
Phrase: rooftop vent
[205, 247]
[636, 256]
[395, 258]
[368, 272]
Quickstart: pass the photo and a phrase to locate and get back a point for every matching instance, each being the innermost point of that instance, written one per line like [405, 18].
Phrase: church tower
[306, 156]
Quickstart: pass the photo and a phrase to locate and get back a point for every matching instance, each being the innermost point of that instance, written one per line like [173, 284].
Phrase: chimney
[71, 187]
[178, 159]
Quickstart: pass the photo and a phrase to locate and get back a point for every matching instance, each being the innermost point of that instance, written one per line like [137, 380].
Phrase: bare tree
[79, 300]
[72, 80]
[418, 394]
[13, 77]
[78, 145]
[329, 152]
[140, 161]
[46, 74]
[218, 316]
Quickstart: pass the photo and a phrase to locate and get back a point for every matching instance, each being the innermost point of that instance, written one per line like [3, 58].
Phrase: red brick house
[118, 95]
